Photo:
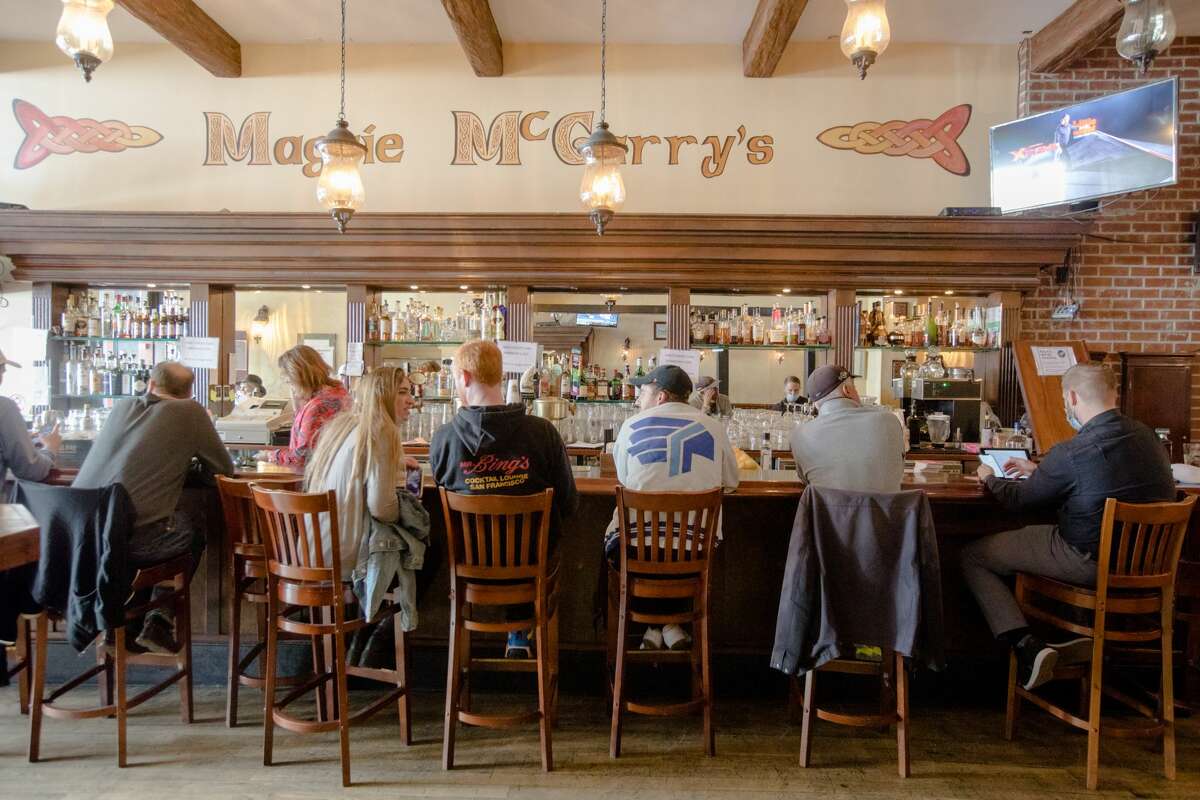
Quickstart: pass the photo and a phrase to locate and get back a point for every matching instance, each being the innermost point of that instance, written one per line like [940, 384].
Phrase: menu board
[518, 356]
[686, 360]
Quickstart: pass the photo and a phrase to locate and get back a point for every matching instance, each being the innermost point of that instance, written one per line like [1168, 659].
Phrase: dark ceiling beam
[185, 25]
[768, 35]
[476, 30]
[1073, 34]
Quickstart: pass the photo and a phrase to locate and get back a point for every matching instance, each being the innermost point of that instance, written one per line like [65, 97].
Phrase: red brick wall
[1138, 293]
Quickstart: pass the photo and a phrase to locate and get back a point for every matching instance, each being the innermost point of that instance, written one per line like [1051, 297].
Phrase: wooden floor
[956, 754]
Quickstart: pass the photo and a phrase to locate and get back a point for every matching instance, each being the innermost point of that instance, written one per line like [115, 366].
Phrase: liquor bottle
[757, 329]
[603, 387]
[766, 455]
[931, 327]
[385, 324]
[653, 363]
[564, 382]
[184, 322]
[628, 390]
[127, 377]
[67, 378]
[639, 372]
[746, 326]
[141, 379]
[615, 389]
[498, 322]
[68, 316]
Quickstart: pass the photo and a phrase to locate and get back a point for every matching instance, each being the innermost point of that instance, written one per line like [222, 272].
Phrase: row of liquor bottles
[93, 371]
[566, 376]
[793, 326]
[109, 315]
[417, 321]
[929, 325]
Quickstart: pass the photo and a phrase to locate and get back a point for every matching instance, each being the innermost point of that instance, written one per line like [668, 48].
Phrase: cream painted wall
[291, 313]
[413, 90]
[18, 384]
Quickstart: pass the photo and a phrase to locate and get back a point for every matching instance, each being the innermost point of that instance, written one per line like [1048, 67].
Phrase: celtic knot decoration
[46, 135]
[920, 138]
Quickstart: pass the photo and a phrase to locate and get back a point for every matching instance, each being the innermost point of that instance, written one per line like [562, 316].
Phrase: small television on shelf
[1118, 143]
[597, 320]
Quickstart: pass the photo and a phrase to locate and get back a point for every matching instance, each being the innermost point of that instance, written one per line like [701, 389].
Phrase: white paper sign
[686, 360]
[323, 347]
[519, 356]
[200, 352]
[355, 365]
[1053, 360]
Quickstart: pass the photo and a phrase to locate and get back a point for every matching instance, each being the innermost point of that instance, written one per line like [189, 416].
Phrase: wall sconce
[778, 357]
[610, 301]
[625, 350]
[258, 326]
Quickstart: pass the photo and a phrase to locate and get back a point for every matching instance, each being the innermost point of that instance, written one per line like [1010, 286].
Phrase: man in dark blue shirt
[1111, 456]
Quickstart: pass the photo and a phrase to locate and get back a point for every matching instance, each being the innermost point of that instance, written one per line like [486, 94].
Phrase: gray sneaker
[156, 636]
[1076, 651]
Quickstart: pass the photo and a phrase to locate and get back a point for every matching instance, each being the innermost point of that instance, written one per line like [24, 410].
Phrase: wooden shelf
[762, 347]
[937, 347]
[99, 339]
[413, 342]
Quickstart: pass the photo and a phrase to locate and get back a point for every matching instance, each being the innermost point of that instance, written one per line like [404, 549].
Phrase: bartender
[791, 394]
[708, 399]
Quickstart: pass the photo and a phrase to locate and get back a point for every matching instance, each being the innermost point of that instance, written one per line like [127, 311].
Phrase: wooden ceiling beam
[185, 25]
[768, 35]
[476, 30]
[1073, 34]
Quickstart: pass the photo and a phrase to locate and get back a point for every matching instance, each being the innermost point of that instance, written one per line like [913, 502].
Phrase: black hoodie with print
[503, 450]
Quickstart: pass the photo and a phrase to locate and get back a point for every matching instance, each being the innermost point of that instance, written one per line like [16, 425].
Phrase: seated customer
[791, 394]
[147, 445]
[640, 454]
[708, 399]
[28, 460]
[1111, 456]
[316, 397]
[494, 448]
[848, 446]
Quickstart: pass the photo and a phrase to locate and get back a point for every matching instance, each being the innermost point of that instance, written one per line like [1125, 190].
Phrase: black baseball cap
[667, 377]
[824, 380]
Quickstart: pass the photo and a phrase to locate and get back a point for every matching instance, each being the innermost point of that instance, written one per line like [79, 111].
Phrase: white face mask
[791, 397]
[1072, 420]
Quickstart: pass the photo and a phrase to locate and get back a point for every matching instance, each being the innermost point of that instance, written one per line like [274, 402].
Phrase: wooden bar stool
[298, 576]
[114, 660]
[1135, 579]
[670, 565]
[498, 549]
[22, 670]
[247, 577]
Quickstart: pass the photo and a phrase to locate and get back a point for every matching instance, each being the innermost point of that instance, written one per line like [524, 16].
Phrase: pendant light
[1147, 30]
[83, 33]
[602, 190]
[340, 187]
[866, 33]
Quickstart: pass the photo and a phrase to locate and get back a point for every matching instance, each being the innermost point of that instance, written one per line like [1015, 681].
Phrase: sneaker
[652, 639]
[1076, 651]
[518, 645]
[675, 637]
[1035, 662]
[156, 636]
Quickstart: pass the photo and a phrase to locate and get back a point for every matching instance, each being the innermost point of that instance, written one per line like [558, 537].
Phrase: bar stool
[299, 577]
[1135, 579]
[498, 549]
[114, 660]
[22, 669]
[247, 576]
[671, 565]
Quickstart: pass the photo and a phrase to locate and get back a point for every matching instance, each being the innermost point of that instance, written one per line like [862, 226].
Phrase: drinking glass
[939, 428]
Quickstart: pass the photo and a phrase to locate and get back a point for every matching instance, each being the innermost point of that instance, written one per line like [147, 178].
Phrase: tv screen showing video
[597, 320]
[1119, 143]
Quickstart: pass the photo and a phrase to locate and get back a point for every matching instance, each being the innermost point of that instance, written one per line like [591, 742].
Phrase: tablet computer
[997, 457]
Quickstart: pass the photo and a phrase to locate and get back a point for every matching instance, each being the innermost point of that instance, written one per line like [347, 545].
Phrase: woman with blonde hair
[316, 397]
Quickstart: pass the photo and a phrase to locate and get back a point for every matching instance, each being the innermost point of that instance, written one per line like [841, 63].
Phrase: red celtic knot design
[45, 135]
[920, 138]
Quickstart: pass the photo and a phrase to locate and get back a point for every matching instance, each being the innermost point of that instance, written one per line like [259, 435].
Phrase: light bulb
[83, 33]
[340, 187]
[602, 189]
[866, 32]
[1147, 30]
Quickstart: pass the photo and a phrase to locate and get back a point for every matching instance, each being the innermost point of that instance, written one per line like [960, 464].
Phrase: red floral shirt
[320, 408]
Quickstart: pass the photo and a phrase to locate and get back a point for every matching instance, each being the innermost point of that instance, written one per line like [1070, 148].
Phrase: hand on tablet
[1019, 468]
[984, 472]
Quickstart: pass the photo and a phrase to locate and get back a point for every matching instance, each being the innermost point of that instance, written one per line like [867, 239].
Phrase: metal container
[551, 408]
[961, 374]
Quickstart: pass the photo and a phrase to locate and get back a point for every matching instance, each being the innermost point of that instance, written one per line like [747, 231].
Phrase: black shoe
[156, 637]
[1035, 662]
[380, 650]
[1075, 651]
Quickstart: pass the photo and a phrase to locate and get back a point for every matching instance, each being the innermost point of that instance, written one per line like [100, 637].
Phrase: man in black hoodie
[495, 448]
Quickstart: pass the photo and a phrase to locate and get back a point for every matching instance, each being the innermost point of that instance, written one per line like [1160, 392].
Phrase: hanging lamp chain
[603, 55]
[342, 107]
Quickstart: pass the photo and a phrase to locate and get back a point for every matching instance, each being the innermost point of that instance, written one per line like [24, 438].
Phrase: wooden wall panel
[679, 313]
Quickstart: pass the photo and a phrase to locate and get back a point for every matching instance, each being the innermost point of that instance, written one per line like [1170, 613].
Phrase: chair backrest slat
[668, 533]
[292, 522]
[1140, 543]
[506, 535]
[237, 508]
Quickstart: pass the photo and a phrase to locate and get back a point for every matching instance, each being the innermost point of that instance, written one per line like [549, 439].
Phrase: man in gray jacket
[28, 460]
[147, 445]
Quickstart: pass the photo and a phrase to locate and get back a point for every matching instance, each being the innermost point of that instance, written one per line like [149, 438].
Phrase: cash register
[255, 421]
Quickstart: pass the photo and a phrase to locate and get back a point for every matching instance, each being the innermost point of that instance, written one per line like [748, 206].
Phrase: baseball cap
[706, 382]
[668, 377]
[824, 380]
[7, 362]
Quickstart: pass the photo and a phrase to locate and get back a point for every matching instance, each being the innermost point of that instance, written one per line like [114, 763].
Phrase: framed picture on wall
[660, 331]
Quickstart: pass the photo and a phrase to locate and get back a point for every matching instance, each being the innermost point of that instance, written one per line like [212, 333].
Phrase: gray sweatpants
[1036, 549]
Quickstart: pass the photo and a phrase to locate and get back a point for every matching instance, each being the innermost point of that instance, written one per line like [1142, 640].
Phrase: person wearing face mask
[708, 398]
[1112, 455]
[791, 394]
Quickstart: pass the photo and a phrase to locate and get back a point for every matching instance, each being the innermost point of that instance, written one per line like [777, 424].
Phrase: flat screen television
[597, 320]
[1118, 143]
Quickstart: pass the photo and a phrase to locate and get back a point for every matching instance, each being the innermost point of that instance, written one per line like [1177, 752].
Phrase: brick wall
[1134, 275]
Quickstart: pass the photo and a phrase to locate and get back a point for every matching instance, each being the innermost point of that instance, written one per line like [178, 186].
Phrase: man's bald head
[171, 379]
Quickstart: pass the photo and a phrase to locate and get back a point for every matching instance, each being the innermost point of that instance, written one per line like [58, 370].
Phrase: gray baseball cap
[824, 380]
[668, 377]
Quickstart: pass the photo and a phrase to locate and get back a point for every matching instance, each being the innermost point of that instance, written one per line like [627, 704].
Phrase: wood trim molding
[1072, 34]
[519, 325]
[478, 35]
[679, 318]
[185, 25]
[541, 251]
[768, 35]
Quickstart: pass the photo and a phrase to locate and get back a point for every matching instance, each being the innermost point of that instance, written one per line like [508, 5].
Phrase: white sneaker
[652, 639]
[675, 637]
[1075, 651]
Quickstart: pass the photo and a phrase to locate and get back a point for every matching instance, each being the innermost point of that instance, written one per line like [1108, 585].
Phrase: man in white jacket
[669, 446]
